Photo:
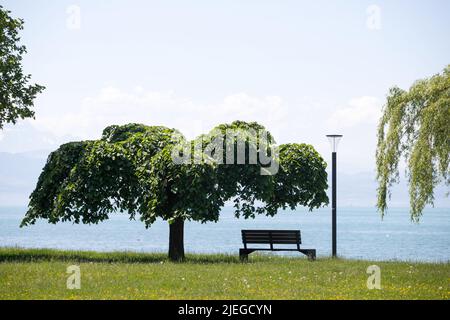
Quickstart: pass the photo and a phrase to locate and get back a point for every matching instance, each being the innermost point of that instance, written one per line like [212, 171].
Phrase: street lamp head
[334, 140]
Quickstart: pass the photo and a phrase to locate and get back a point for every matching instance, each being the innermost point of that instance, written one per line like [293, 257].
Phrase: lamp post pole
[333, 204]
[334, 140]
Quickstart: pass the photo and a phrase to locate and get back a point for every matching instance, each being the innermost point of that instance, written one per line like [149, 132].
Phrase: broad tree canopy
[132, 168]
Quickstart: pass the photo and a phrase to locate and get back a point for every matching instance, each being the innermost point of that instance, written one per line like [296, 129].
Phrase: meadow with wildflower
[41, 274]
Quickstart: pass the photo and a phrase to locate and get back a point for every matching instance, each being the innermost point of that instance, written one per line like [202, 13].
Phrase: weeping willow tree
[415, 126]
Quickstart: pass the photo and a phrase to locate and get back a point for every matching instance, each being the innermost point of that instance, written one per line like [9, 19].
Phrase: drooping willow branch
[415, 126]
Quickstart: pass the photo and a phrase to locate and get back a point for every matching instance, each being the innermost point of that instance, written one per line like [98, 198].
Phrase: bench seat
[273, 237]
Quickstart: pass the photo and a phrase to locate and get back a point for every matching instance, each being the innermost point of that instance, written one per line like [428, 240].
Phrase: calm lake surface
[361, 233]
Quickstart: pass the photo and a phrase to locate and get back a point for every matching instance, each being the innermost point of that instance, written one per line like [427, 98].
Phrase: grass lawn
[41, 274]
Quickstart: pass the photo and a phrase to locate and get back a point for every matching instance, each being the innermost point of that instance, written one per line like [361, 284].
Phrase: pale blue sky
[302, 68]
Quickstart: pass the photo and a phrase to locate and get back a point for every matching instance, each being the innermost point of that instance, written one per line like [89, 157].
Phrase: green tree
[134, 168]
[415, 125]
[16, 95]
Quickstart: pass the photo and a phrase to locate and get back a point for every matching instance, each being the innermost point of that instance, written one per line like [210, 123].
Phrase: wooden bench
[273, 237]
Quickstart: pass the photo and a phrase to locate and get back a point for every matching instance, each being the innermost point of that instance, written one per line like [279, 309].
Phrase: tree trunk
[176, 240]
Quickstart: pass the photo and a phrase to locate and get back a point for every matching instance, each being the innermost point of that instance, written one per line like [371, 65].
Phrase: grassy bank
[41, 274]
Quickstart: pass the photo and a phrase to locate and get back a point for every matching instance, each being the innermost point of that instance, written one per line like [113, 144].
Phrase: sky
[303, 69]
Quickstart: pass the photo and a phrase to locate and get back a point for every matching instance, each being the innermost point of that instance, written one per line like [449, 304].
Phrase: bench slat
[274, 241]
[271, 236]
[268, 240]
[270, 232]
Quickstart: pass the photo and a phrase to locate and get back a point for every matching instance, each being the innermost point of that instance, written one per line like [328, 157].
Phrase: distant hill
[18, 175]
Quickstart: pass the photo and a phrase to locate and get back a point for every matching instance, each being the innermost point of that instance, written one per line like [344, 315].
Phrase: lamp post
[334, 141]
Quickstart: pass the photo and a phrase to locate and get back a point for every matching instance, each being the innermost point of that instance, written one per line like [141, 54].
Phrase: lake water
[361, 233]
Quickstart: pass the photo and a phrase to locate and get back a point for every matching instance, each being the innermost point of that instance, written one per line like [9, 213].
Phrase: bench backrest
[271, 237]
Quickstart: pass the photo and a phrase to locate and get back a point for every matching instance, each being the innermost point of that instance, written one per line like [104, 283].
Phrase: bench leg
[310, 253]
[243, 254]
